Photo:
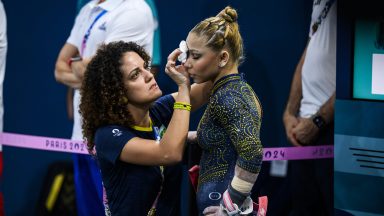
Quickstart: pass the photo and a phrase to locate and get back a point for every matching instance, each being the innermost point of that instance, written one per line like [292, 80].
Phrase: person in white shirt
[3, 55]
[98, 22]
[308, 117]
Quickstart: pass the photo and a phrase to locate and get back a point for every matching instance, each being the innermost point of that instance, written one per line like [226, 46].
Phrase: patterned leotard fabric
[229, 135]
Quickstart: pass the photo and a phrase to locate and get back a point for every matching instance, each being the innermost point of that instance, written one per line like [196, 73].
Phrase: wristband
[183, 106]
[74, 59]
[228, 205]
[318, 121]
[236, 196]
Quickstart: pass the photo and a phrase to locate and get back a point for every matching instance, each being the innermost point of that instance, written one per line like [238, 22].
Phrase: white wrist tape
[241, 185]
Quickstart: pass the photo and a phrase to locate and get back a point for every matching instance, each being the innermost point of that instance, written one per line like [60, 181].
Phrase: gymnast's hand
[177, 72]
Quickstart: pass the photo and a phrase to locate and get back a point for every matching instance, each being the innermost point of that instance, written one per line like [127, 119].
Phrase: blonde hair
[222, 31]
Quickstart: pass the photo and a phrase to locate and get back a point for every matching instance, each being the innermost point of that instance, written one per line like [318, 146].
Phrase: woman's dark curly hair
[103, 95]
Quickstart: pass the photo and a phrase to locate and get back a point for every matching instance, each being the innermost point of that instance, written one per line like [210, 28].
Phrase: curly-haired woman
[138, 135]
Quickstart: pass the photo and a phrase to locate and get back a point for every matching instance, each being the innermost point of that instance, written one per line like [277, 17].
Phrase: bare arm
[63, 71]
[199, 94]
[290, 119]
[170, 148]
[295, 93]
[327, 110]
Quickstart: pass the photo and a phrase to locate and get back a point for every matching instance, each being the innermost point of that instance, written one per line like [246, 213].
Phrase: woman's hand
[177, 72]
[79, 67]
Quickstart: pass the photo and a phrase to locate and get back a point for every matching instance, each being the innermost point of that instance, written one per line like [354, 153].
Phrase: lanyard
[86, 36]
[152, 211]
